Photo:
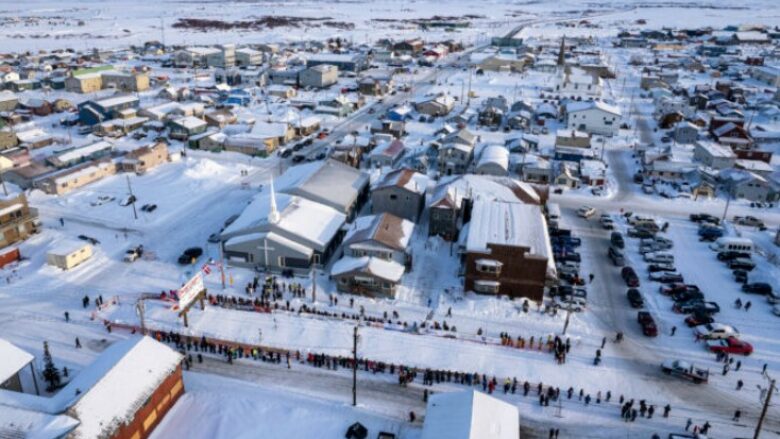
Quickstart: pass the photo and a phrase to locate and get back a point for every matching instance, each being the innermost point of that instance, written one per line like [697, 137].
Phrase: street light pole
[354, 365]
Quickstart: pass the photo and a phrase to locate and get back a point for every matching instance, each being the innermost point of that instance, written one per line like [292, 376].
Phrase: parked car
[698, 318]
[571, 277]
[128, 200]
[773, 297]
[616, 256]
[750, 221]
[730, 255]
[653, 268]
[696, 305]
[647, 322]
[571, 303]
[616, 239]
[569, 290]
[586, 212]
[762, 288]
[132, 254]
[570, 240]
[89, 239]
[686, 306]
[102, 199]
[730, 345]
[659, 258]
[635, 298]
[709, 233]
[707, 307]
[741, 276]
[704, 218]
[640, 233]
[712, 331]
[686, 295]
[658, 242]
[676, 288]
[630, 277]
[607, 223]
[189, 255]
[741, 264]
[567, 256]
[666, 277]
[686, 370]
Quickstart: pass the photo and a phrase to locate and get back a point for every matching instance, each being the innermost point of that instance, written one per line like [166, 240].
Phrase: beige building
[86, 83]
[319, 76]
[69, 254]
[144, 158]
[62, 182]
[8, 139]
[17, 220]
[126, 82]
[502, 62]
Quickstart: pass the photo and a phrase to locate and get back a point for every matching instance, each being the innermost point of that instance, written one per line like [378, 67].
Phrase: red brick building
[138, 381]
[124, 394]
[508, 250]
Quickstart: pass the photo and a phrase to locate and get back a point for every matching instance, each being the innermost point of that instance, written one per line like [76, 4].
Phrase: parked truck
[686, 370]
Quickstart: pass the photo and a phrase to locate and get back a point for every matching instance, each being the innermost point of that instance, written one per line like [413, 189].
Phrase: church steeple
[561, 58]
[273, 215]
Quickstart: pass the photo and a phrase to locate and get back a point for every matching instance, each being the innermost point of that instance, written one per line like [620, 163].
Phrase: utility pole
[313, 284]
[139, 305]
[354, 366]
[568, 315]
[726, 209]
[221, 265]
[132, 197]
[765, 408]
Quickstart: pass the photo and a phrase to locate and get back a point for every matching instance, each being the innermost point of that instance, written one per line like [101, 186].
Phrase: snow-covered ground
[194, 197]
[217, 407]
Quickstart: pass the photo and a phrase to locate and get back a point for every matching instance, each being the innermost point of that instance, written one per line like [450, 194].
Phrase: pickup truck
[684, 369]
[749, 221]
[134, 253]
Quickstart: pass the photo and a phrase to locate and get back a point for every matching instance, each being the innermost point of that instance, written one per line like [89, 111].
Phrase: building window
[489, 266]
[487, 286]
[393, 196]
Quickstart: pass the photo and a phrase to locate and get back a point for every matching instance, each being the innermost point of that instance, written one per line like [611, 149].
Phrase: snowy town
[389, 220]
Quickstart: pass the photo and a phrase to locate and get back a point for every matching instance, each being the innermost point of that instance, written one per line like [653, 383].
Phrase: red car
[731, 345]
[648, 323]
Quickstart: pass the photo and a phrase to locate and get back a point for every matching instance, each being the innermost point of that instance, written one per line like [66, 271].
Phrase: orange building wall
[155, 409]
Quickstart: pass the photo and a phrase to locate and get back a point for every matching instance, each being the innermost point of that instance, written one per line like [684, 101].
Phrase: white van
[743, 245]
[638, 219]
[659, 258]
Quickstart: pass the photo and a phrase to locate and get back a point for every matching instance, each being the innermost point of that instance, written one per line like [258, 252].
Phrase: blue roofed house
[115, 107]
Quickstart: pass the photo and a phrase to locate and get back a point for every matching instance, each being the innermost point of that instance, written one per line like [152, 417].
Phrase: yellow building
[69, 254]
[86, 83]
[62, 182]
[144, 158]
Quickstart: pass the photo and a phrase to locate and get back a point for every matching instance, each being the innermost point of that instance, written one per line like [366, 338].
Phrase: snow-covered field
[196, 194]
[216, 407]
